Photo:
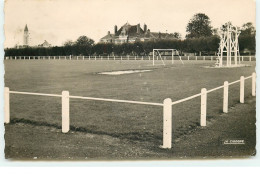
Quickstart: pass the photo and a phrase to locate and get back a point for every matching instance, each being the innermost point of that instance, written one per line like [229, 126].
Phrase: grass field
[129, 121]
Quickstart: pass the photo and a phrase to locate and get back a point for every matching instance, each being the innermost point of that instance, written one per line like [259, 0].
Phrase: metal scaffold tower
[228, 46]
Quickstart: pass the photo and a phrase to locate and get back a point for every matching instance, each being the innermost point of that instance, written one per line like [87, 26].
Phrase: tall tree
[199, 26]
[68, 43]
[177, 35]
[84, 41]
[247, 37]
[248, 29]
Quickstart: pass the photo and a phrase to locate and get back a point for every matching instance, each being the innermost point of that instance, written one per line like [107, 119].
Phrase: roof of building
[45, 43]
[108, 36]
[131, 30]
[160, 35]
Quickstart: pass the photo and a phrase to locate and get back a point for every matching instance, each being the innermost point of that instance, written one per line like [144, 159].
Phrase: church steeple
[26, 28]
[26, 36]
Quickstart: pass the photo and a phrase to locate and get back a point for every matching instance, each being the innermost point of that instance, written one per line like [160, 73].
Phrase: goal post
[157, 54]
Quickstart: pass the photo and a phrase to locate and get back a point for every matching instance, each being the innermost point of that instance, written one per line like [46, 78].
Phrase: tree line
[201, 38]
[206, 45]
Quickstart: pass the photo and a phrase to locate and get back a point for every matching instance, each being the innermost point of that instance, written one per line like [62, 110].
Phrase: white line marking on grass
[123, 72]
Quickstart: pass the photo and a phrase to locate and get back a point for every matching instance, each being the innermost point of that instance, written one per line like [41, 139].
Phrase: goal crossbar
[172, 55]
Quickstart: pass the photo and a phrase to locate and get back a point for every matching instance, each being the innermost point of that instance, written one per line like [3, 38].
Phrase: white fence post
[203, 112]
[167, 123]
[253, 83]
[242, 58]
[7, 105]
[121, 57]
[188, 57]
[225, 97]
[204, 57]
[196, 58]
[211, 58]
[77, 57]
[65, 112]
[149, 58]
[135, 57]
[242, 89]
[114, 58]
[83, 57]
[250, 59]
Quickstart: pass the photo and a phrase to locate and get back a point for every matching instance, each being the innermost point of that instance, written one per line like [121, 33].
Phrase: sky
[60, 20]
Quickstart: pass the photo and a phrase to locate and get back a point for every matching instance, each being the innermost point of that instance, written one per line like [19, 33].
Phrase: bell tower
[26, 36]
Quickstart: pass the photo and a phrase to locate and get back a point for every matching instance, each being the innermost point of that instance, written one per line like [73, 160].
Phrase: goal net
[165, 54]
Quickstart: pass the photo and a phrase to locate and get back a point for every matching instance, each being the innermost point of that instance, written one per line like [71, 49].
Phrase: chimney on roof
[145, 27]
[115, 29]
[138, 28]
[108, 33]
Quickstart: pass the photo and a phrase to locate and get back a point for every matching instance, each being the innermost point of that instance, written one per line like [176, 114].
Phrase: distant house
[45, 44]
[133, 33]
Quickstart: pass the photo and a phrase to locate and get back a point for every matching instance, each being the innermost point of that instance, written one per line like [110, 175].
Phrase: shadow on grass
[145, 136]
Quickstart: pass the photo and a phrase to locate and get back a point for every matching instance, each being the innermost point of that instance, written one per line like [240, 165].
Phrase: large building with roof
[134, 33]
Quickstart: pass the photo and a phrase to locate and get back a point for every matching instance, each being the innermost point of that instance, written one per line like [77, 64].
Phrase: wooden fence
[167, 105]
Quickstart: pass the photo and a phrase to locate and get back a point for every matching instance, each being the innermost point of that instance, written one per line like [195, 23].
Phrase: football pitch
[122, 120]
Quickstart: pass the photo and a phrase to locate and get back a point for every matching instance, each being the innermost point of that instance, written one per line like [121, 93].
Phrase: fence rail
[211, 58]
[31, 93]
[115, 100]
[167, 105]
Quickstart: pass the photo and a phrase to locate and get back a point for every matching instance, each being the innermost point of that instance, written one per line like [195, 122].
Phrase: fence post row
[7, 105]
[203, 107]
[242, 89]
[225, 97]
[65, 112]
[167, 123]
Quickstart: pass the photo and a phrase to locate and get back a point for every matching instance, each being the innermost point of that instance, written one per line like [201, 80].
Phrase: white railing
[209, 58]
[167, 105]
[167, 136]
